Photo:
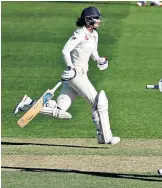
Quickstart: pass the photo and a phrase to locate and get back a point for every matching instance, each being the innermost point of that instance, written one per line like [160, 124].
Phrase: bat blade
[34, 110]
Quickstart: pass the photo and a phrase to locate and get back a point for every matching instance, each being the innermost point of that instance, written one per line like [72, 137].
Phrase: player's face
[97, 23]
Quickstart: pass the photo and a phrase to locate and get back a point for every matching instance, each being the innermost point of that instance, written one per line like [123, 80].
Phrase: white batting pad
[102, 108]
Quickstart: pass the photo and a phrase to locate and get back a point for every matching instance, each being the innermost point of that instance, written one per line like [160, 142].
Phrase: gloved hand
[68, 74]
[102, 63]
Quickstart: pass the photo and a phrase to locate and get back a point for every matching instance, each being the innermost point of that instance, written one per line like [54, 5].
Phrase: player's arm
[69, 46]
[73, 41]
[95, 56]
[102, 62]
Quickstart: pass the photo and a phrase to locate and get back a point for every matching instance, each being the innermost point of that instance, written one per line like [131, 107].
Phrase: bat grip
[57, 86]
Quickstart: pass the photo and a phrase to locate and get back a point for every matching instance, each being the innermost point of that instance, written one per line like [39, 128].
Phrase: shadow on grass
[142, 177]
[55, 145]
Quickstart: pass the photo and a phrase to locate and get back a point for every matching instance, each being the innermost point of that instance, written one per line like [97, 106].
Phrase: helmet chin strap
[95, 26]
[90, 28]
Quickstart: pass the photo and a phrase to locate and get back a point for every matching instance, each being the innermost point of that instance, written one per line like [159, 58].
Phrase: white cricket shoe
[159, 171]
[115, 140]
[25, 101]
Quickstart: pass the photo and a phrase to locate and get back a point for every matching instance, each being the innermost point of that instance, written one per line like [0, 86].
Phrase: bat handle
[57, 86]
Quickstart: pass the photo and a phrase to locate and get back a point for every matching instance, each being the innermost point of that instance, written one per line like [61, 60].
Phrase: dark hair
[80, 22]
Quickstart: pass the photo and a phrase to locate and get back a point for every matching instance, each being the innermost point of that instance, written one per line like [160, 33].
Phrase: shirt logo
[86, 37]
[73, 37]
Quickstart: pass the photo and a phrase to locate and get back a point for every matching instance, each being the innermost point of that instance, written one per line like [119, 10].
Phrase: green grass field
[33, 35]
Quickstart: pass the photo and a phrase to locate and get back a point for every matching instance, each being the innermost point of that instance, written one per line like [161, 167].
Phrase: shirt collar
[87, 32]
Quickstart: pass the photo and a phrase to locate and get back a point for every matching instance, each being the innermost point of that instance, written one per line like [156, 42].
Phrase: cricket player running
[81, 46]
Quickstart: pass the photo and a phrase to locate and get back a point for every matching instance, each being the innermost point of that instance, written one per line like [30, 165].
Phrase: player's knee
[64, 102]
[101, 101]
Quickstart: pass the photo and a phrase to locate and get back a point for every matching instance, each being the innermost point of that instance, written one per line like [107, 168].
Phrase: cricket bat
[34, 110]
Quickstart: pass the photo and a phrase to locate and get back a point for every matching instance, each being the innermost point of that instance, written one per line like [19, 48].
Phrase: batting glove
[102, 63]
[68, 74]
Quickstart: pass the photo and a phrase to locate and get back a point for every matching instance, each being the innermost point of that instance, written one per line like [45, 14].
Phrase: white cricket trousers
[80, 85]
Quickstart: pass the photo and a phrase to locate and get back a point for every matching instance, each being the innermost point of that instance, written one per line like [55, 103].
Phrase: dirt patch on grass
[85, 163]
[131, 155]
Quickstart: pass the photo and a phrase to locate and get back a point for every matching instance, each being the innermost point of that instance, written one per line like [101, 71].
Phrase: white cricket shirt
[80, 47]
